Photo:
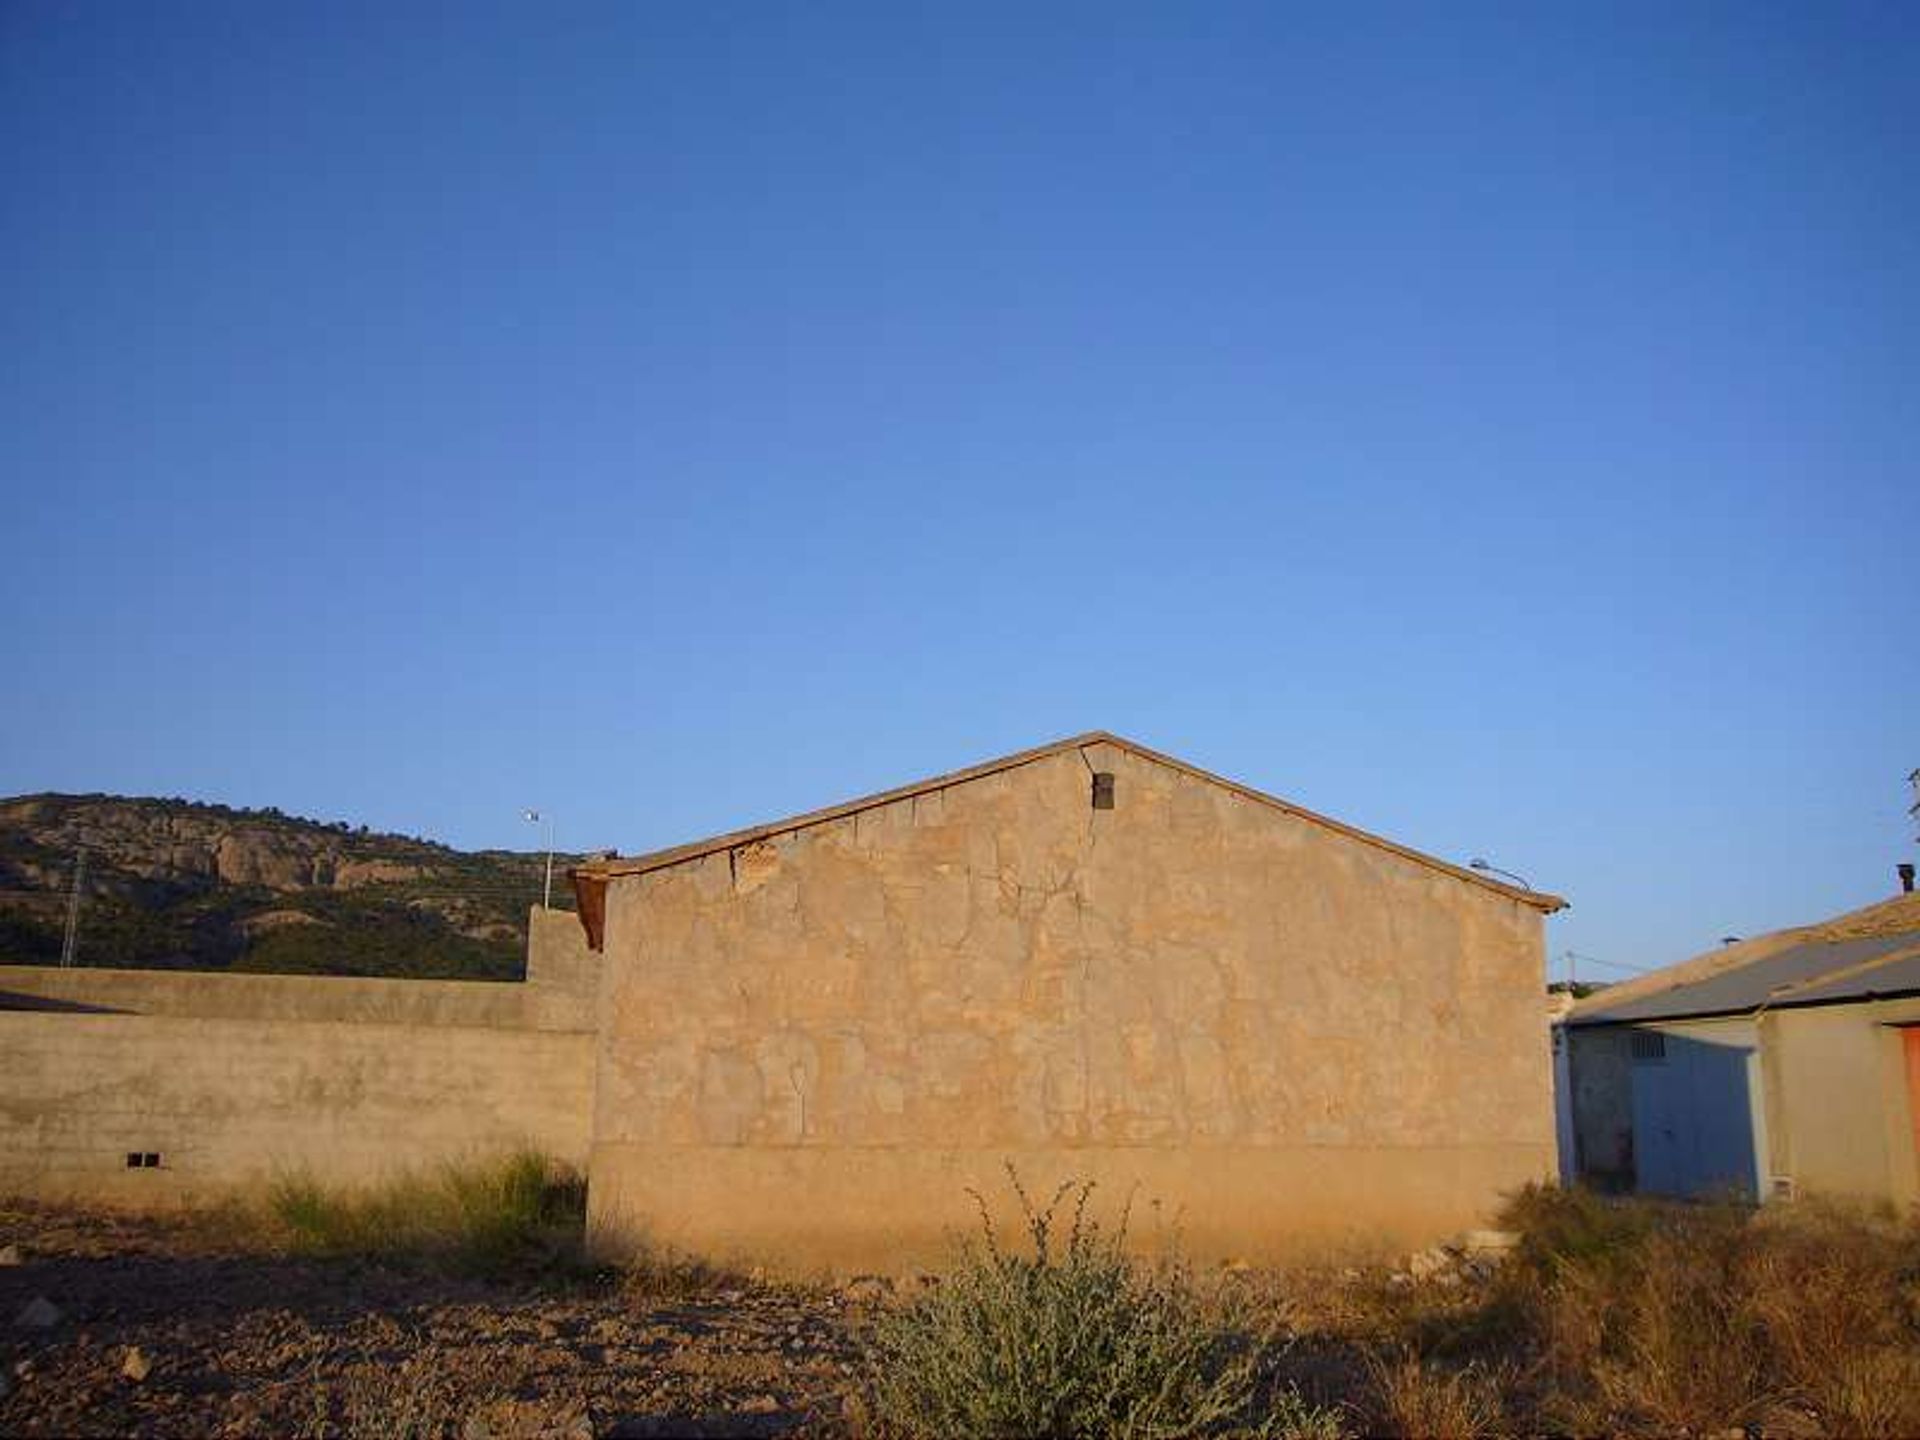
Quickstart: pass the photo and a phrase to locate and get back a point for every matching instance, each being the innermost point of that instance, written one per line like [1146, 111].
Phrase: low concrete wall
[233, 1079]
[228, 1103]
[558, 994]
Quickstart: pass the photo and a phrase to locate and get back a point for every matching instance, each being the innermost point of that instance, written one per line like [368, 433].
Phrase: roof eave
[605, 870]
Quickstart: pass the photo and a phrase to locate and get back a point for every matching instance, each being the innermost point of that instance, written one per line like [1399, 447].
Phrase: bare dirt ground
[188, 1327]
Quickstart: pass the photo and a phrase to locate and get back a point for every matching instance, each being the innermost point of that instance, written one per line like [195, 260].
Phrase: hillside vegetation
[177, 884]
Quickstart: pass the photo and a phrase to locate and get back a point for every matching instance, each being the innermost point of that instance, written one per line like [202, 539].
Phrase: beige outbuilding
[1783, 1065]
[1088, 960]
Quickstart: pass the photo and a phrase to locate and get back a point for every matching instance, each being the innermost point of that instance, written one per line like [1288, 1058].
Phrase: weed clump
[368, 1401]
[1710, 1316]
[1071, 1336]
[486, 1215]
[1425, 1399]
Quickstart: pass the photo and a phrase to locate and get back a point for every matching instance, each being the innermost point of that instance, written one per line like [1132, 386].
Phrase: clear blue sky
[1493, 427]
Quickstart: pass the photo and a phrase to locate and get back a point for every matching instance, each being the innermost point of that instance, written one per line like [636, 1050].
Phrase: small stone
[38, 1313]
[1425, 1264]
[136, 1366]
[760, 1405]
[9, 1255]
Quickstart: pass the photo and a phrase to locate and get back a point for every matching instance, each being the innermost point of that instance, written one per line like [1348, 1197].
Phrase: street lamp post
[535, 817]
[1480, 863]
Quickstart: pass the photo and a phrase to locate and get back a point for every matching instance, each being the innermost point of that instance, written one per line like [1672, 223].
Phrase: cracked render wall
[810, 1047]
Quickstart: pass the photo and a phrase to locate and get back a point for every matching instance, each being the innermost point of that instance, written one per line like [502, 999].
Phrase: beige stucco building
[1090, 960]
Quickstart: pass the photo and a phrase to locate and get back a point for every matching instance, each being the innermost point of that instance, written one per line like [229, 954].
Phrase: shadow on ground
[238, 1341]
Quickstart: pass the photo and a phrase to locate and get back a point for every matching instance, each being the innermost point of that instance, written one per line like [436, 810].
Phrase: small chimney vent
[1905, 871]
[1103, 790]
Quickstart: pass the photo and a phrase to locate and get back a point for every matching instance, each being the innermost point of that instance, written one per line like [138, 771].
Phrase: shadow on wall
[1693, 1115]
[20, 1000]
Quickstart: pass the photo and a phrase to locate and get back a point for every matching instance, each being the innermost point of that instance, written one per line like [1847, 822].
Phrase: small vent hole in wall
[1649, 1046]
[1103, 790]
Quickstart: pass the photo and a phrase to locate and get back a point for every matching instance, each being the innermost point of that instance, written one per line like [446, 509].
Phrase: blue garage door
[1693, 1108]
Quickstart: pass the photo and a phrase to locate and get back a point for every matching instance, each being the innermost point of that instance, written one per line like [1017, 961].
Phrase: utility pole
[73, 908]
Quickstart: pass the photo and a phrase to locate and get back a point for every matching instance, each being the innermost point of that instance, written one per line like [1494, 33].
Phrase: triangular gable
[590, 880]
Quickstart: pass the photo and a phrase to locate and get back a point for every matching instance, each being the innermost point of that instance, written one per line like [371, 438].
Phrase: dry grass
[1619, 1317]
[1612, 1316]
[1714, 1316]
[652, 1271]
[1422, 1398]
[1627, 1317]
[485, 1215]
[371, 1401]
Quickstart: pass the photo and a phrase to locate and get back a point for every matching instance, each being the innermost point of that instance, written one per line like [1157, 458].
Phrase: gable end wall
[811, 1046]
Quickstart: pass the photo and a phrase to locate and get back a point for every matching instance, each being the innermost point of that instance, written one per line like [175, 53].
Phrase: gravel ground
[173, 1327]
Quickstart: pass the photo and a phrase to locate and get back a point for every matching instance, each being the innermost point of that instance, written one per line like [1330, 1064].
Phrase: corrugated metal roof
[1893, 975]
[1802, 974]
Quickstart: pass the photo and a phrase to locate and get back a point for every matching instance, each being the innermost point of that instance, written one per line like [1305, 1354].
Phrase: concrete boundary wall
[234, 1079]
[214, 996]
[558, 994]
[229, 1104]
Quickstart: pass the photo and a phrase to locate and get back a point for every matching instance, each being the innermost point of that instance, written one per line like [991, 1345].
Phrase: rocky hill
[176, 884]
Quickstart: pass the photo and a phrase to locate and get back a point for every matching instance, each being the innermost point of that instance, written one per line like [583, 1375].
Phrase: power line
[1571, 956]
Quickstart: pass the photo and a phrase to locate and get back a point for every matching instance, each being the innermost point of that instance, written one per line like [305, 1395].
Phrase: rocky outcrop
[175, 842]
[176, 883]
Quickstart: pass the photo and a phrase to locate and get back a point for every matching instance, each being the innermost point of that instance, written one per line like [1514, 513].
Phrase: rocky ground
[117, 1325]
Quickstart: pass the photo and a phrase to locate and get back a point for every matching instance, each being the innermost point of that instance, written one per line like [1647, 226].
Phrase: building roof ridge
[617, 866]
[1893, 916]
